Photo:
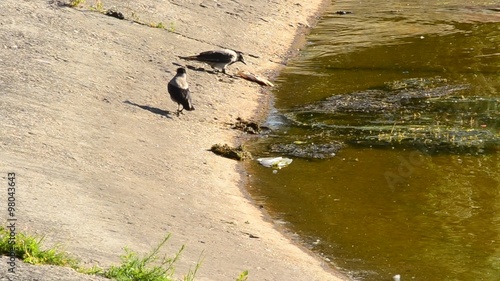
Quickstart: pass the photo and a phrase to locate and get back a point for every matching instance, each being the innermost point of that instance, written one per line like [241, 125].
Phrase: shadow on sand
[154, 110]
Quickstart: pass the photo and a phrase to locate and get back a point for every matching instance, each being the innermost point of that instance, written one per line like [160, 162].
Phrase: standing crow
[179, 91]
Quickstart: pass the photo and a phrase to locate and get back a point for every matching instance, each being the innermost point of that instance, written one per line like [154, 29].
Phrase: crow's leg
[178, 110]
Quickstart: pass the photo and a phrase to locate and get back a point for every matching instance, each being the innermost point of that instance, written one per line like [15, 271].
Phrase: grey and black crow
[218, 59]
[178, 89]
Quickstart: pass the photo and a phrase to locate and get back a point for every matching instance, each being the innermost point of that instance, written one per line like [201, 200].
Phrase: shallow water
[416, 191]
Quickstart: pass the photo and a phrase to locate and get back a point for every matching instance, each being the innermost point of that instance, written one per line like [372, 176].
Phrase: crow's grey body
[218, 59]
[178, 89]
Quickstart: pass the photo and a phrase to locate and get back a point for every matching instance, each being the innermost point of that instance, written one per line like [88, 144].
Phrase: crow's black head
[240, 57]
[181, 70]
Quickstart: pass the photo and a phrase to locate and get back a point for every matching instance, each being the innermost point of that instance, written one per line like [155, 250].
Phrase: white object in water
[275, 162]
[396, 277]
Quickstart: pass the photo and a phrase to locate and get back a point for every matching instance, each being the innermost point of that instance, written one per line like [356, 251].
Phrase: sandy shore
[102, 162]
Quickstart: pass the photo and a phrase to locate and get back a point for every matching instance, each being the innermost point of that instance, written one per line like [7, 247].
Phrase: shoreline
[104, 161]
[298, 42]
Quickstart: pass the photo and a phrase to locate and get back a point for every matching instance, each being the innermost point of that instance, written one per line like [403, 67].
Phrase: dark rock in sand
[248, 127]
[237, 153]
[115, 14]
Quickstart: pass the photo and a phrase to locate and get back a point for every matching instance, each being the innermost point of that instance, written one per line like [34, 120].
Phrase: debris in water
[305, 150]
[415, 83]
[405, 95]
[275, 162]
[343, 12]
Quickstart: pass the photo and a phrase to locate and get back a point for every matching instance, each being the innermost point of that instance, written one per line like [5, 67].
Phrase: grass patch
[160, 25]
[98, 7]
[28, 248]
[133, 267]
[76, 3]
[243, 276]
[149, 267]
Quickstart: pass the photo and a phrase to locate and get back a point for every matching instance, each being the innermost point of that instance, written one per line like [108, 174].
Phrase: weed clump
[132, 267]
[76, 3]
[29, 249]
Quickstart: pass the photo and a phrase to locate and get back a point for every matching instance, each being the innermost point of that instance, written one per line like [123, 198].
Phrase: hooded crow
[219, 58]
[179, 91]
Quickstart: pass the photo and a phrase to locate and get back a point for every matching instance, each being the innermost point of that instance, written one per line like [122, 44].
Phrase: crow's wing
[215, 56]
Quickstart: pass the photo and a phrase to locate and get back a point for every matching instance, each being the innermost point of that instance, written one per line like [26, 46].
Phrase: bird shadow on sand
[199, 69]
[194, 68]
[166, 113]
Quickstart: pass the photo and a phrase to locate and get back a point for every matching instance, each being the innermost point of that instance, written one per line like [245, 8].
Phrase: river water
[415, 190]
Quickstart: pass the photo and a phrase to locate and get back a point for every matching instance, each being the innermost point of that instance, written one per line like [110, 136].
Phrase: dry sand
[100, 159]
